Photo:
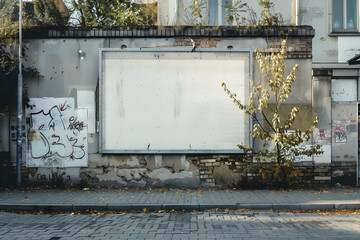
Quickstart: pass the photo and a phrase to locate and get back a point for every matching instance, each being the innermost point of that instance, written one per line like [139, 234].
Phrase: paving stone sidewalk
[168, 199]
[174, 226]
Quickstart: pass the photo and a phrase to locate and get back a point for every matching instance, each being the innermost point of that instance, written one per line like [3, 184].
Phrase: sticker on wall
[322, 136]
[57, 133]
[340, 132]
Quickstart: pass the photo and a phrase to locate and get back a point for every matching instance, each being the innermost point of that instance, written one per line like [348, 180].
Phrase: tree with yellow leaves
[274, 132]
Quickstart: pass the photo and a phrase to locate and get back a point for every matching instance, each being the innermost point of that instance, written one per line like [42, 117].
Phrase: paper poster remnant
[86, 100]
[57, 133]
[301, 147]
[322, 158]
[339, 129]
[344, 90]
[322, 136]
[303, 157]
[325, 157]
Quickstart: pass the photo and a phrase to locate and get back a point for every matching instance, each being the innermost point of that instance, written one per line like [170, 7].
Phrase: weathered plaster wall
[66, 70]
[140, 171]
[318, 14]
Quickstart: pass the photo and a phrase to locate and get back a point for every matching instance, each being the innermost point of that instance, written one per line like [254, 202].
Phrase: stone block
[322, 178]
[225, 176]
[322, 170]
[208, 160]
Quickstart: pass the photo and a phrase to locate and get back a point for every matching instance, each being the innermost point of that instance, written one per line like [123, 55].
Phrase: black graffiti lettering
[75, 124]
[53, 177]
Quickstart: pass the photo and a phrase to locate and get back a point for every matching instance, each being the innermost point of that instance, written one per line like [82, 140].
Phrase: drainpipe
[176, 12]
[297, 12]
[357, 162]
[19, 105]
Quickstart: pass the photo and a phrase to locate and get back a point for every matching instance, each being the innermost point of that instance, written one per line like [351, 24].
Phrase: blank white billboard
[172, 101]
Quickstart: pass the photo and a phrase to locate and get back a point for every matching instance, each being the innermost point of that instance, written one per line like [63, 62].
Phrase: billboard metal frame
[102, 50]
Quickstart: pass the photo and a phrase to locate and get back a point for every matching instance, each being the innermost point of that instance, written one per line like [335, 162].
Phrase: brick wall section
[311, 174]
[343, 173]
[298, 48]
[199, 42]
[206, 164]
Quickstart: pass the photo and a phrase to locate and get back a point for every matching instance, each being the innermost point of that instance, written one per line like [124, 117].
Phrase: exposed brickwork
[343, 173]
[298, 47]
[311, 174]
[200, 42]
[322, 72]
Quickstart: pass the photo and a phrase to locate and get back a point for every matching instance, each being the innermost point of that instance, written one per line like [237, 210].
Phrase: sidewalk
[168, 199]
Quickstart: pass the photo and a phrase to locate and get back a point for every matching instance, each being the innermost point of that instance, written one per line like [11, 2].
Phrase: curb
[178, 207]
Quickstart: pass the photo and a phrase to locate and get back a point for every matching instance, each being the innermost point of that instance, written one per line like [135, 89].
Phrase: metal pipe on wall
[176, 12]
[358, 157]
[297, 12]
[19, 105]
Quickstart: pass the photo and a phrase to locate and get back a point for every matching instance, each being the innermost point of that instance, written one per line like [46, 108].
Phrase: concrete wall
[345, 133]
[318, 14]
[70, 65]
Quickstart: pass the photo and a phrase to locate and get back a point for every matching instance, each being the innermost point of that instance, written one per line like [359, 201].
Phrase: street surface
[194, 225]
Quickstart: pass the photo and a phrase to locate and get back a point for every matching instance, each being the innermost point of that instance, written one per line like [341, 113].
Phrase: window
[217, 12]
[345, 15]
[213, 12]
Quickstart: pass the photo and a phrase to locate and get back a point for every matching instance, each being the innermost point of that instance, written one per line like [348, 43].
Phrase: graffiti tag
[57, 134]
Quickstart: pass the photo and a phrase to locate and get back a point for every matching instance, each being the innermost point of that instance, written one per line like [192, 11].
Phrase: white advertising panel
[173, 101]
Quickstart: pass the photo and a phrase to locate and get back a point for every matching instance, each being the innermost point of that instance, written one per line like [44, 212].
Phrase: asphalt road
[194, 225]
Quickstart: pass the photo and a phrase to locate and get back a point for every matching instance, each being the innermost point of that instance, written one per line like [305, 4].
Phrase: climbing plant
[234, 12]
[268, 15]
[239, 13]
[194, 14]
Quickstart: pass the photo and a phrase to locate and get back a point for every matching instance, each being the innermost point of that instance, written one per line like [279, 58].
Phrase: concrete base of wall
[185, 171]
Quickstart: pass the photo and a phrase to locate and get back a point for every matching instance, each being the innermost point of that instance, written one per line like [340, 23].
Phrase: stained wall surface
[70, 69]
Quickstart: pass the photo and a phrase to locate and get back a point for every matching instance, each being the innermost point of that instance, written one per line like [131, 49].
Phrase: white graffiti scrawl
[57, 133]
